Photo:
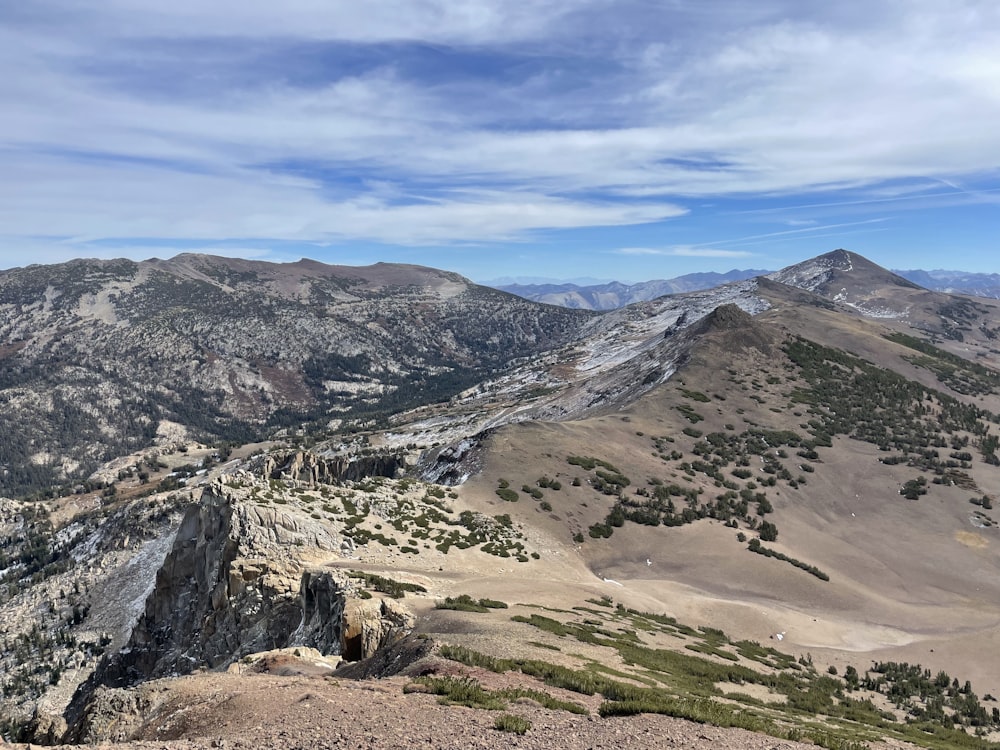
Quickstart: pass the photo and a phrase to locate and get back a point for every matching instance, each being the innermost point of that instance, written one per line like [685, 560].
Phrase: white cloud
[473, 21]
[141, 201]
[627, 109]
[684, 251]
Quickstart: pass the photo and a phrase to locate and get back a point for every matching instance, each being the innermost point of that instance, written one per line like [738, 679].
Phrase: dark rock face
[322, 602]
[312, 469]
[401, 657]
[211, 603]
[453, 464]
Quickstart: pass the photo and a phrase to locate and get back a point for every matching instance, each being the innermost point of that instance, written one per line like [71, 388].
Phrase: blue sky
[633, 139]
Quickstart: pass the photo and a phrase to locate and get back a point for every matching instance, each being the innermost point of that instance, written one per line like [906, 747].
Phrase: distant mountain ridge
[614, 294]
[611, 295]
[102, 358]
[956, 282]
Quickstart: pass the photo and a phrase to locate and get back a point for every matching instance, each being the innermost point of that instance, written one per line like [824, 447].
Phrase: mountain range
[767, 505]
[613, 294]
[100, 358]
[957, 282]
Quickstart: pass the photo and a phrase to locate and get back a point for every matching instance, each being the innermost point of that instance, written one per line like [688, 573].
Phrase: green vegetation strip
[466, 691]
[959, 374]
[465, 603]
[512, 723]
[388, 586]
[760, 549]
[829, 711]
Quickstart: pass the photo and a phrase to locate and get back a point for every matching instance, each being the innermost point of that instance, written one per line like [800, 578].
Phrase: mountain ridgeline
[97, 356]
[614, 294]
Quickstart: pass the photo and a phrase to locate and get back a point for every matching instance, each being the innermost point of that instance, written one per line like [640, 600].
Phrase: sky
[624, 139]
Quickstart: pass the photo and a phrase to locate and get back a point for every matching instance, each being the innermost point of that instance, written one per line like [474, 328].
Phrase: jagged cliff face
[229, 587]
[74, 577]
[311, 469]
[95, 355]
[99, 594]
[243, 579]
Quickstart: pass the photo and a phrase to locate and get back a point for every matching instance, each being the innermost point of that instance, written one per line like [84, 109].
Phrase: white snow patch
[882, 313]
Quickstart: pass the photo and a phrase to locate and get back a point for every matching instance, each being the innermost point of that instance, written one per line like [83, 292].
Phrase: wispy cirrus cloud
[421, 123]
[684, 252]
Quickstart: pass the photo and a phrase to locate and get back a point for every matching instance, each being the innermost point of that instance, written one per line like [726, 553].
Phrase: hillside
[102, 358]
[768, 506]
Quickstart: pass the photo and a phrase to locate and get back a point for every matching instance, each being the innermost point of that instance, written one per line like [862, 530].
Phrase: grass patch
[829, 710]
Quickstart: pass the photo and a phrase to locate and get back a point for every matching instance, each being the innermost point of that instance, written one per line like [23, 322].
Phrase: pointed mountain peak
[838, 266]
[851, 280]
[841, 269]
[728, 317]
[735, 328]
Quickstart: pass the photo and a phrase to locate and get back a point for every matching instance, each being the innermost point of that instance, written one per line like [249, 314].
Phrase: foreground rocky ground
[288, 712]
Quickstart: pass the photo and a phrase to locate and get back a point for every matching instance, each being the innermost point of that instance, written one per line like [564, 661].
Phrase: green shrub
[462, 691]
[493, 604]
[756, 546]
[512, 723]
[588, 463]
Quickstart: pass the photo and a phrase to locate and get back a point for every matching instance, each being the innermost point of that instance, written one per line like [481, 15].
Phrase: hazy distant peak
[614, 294]
[956, 282]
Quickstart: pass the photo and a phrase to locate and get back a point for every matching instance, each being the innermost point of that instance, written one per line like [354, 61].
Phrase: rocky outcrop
[241, 579]
[115, 714]
[312, 469]
[371, 624]
[294, 660]
[736, 328]
[453, 464]
[411, 655]
[228, 588]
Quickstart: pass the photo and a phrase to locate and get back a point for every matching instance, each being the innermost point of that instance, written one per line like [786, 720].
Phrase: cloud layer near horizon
[417, 123]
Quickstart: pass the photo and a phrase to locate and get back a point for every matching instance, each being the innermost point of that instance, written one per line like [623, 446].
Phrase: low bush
[512, 723]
